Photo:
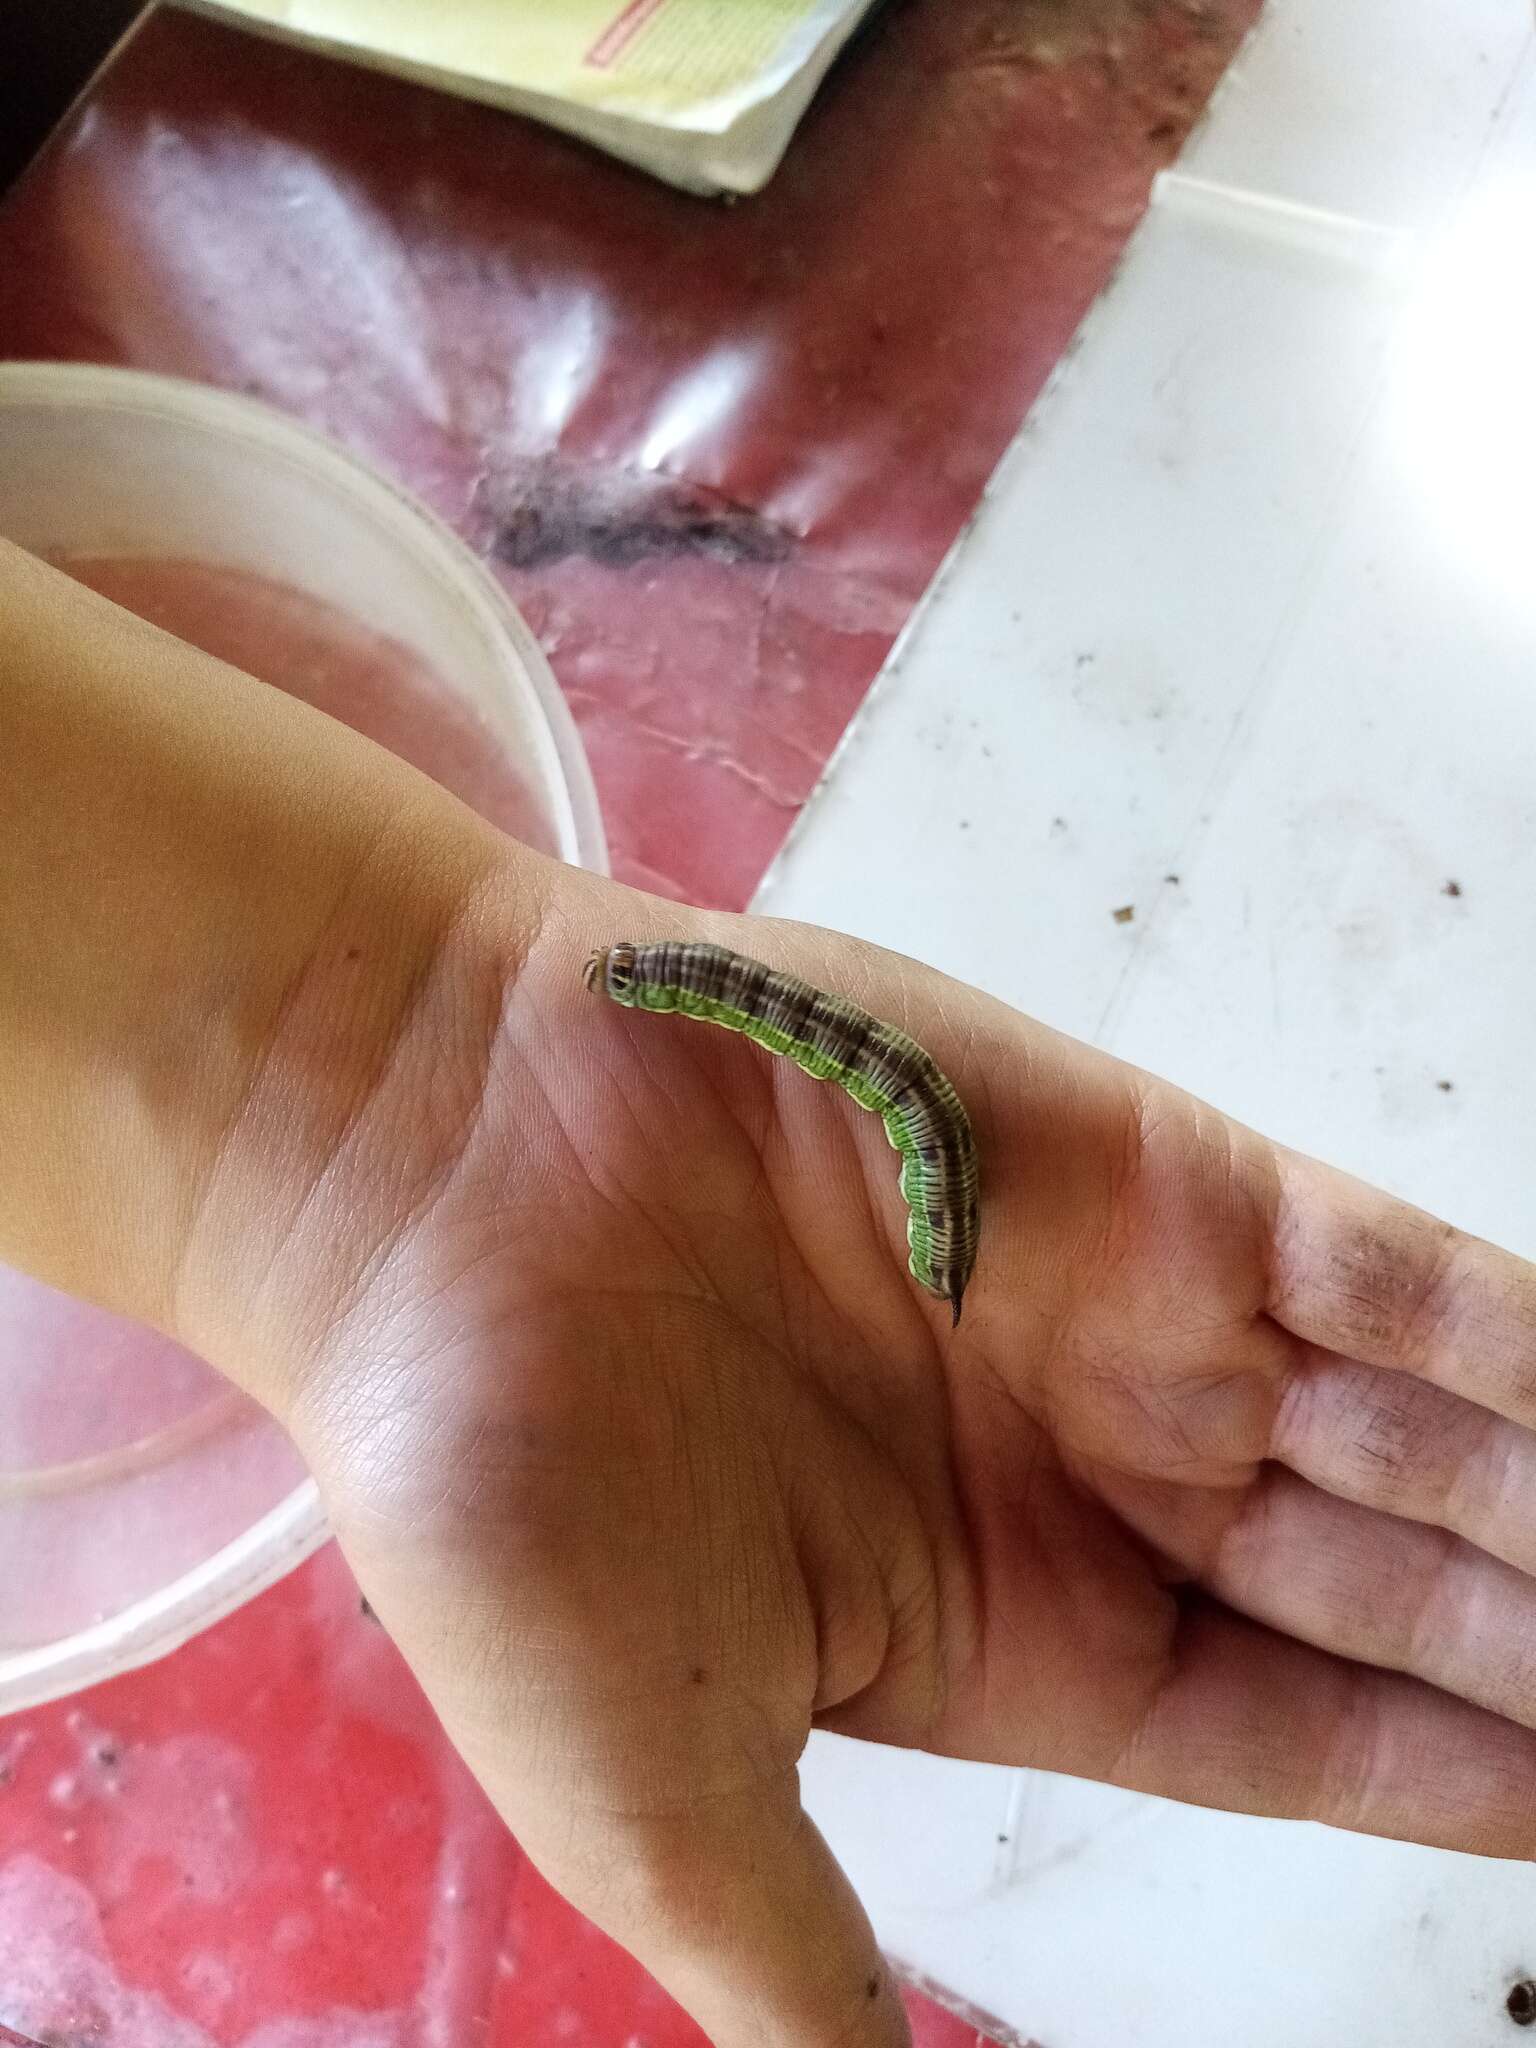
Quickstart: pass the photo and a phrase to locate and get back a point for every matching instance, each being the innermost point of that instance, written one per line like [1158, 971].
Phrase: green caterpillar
[833, 1040]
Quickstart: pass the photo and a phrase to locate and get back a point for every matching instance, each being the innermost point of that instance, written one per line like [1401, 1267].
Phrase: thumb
[739, 1909]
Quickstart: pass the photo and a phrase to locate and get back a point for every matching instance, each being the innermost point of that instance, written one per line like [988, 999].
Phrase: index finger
[1356, 1272]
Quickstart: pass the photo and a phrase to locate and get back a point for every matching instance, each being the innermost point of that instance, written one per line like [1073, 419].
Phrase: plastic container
[140, 1497]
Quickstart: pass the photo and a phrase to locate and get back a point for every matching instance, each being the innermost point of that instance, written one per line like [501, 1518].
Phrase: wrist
[225, 925]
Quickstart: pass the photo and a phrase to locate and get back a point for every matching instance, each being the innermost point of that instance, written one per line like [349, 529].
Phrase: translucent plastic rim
[432, 544]
[152, 1627]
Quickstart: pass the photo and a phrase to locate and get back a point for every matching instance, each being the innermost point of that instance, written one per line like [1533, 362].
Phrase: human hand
[597, 1330]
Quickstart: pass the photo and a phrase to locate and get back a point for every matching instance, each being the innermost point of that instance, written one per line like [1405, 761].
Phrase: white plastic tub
[140, 1497]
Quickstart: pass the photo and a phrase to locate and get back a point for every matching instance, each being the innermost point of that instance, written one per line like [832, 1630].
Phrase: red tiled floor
[716, 452]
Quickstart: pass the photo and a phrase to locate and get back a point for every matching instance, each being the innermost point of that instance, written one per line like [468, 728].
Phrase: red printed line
[621, 32]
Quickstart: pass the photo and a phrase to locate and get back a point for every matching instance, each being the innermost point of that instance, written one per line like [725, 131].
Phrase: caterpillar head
[612, 972]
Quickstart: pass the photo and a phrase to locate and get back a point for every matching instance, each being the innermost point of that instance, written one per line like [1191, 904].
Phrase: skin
[601, 1342]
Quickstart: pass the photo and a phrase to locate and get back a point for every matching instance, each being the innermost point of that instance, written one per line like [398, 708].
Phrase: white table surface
[1252, 602]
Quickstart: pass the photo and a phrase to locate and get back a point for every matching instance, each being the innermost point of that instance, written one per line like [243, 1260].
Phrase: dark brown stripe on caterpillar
[834, 1040]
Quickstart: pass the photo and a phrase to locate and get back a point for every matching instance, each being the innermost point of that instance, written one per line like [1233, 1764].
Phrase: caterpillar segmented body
[833, 1040]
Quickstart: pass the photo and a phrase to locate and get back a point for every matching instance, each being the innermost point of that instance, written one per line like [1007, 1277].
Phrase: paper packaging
[703, 93]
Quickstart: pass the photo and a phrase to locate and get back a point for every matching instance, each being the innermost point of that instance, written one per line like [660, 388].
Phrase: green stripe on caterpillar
[833, 1040]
